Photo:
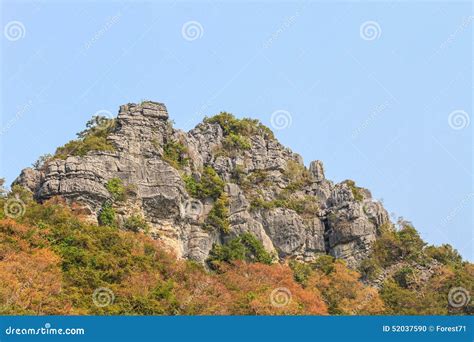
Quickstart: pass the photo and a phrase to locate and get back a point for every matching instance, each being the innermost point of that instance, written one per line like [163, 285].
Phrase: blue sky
[381, 92]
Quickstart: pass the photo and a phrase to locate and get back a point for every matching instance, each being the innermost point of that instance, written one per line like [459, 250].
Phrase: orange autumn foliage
[261, 289]
[344, 293]
[52, 262]
[30, 277]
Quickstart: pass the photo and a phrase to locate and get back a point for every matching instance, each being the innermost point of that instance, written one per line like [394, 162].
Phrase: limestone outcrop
[295, 211]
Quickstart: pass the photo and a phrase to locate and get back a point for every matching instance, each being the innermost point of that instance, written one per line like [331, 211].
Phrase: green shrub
[370, 269]
[218, 216]
[393, 246]
[301, 271]
[297, 175]
[116, 188]
[245, 127]
[445, 254]
[209, 186]
[93, 138]
[325, 263]
[356, 192]
[245, 247]
[404, 276]
[259, 203]
[237, 132]
[237, 141]
[42, 160]
[306, 206]
[136, 223]
[174, 152]
[238, 175]
[107, 215]
[411, 244]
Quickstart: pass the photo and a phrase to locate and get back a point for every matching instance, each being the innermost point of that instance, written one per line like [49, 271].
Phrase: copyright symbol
[431, 328]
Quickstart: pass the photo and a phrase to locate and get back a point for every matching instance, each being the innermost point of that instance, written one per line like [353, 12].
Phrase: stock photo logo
[193, 209]
[14, 30]
[280, 297]
[103, 297]
[192, 30]
[459, 119]
[104, 119]
[281, 119]
[14, 208]
[370, 30]
[459, 297]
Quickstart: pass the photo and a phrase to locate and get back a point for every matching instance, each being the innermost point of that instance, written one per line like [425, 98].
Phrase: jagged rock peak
[149, 109]
[223, 178]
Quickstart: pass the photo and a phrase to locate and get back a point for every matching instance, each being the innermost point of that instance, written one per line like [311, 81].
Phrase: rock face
[267, 186]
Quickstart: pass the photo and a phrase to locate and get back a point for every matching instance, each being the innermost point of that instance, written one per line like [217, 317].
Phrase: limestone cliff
[295, 211]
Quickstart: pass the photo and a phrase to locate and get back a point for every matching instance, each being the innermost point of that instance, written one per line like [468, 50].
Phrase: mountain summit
[198, 189]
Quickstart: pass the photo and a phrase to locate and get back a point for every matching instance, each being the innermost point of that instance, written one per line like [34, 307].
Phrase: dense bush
[136, 223]
[93, 138]
[306, 206]
[106, 215]
[237, 142]
[245, 247]
[356, 192]
[210, 185]
[445, 254]
[339, 286]
[218, 216]
[244, 127]
[403, 292]
[116, 189]
[395, 245]
[175, 153]
[297, 175]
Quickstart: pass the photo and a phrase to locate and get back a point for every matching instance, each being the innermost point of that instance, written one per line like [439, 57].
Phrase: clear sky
[380, 92]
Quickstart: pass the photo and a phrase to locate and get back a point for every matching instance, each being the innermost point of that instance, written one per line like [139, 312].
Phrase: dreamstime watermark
[192, 30]
[452, 37]
[458, 119]
[103, 30]
[289, 21]
[280, 297]
[104, 119]
[14, 30]
[103, 297]
[370, 30]
[363, 303]
[458, 297]
[46, 330]
[199, 290]
[281, 119]
[455, 211]
[374, 114]
[14, 208]
[19, 114]
[371, 209]
[193, 209]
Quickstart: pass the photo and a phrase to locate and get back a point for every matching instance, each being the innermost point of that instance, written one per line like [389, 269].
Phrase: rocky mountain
[195, 189]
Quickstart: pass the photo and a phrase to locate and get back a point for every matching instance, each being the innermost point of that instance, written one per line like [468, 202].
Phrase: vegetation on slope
[175, 154]
[210, 185]
[405, 291]
[245, 127]
[53, 262]
[69, 263]
[93, 138]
